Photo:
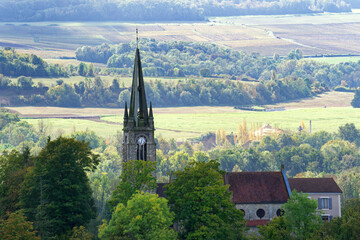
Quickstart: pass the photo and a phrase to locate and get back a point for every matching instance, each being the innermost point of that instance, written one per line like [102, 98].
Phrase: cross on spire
[137, 38]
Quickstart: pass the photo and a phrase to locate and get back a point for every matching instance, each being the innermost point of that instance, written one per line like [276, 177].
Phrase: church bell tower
[138, 142]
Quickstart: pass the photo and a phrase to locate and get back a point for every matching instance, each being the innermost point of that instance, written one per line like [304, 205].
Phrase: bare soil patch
[266, 35]
[329, 99]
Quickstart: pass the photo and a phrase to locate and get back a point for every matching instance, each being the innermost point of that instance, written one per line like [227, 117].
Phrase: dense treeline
[192, 92]
[264, 80]
[137, 10]
[15, 64]
[177, 59]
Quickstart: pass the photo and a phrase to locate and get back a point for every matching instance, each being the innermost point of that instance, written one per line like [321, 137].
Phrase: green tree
[205, 72]
[145, 216]
[349, 182]
[345, 227]
[63, 95]
[56, 194]
[179, 160]
[202, 203]
[90, 137]
[275, 230]
[137, 175]
[13, 167]
[301, 215]
[124, 96]
[356, 100]
[80, 233]
[349, 133]
[16, 227]
[82, 69]
[25, 82]
[6, 117]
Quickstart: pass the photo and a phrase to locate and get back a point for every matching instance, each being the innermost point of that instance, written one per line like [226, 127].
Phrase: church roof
[314, 185]
[257, 187]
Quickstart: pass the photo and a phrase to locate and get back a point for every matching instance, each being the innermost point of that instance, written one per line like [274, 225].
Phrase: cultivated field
[189, 122]
[335, 60]
[336, 33]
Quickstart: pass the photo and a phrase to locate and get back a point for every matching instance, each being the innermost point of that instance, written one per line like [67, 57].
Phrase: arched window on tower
[141, 148]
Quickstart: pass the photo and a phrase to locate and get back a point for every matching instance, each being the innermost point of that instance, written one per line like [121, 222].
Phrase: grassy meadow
[328, 119]
[188, 125]
[106, 79]
[335, 60]
[327, 112]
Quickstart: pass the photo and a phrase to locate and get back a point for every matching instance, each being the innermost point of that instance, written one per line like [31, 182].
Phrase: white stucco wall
[336, 206]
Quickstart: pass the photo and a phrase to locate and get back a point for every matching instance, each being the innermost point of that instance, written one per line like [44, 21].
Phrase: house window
[326, 218]
[260, 213]
[325, 203]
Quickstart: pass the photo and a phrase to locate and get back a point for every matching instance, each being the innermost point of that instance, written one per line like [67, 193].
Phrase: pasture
[180, 125]
[107, 80]
[335, 60]
[189, 122]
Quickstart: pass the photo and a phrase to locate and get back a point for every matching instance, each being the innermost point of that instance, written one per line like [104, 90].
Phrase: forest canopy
[178, 58]
[159, 10]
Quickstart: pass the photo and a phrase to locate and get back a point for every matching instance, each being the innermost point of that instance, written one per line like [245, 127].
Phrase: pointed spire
[126, 116]
[138, 106]
[151, 111]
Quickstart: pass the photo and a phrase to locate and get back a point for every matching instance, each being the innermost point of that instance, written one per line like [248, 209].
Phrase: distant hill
[157, 10]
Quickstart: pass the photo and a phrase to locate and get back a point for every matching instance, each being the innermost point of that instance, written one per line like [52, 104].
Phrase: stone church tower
[138, 142]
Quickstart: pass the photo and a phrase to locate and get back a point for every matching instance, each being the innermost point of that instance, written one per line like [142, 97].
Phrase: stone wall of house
[251, 210]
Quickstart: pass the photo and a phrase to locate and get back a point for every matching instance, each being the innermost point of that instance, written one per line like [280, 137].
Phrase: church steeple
[138, 105]
[139, 142]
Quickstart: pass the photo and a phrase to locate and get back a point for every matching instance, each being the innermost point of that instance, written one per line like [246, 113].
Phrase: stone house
[259, 195]
[324, 190]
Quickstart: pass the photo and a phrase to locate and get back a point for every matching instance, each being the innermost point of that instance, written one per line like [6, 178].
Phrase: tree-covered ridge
[178, 58]
[150, 10]
[184, 92]
[15, 64]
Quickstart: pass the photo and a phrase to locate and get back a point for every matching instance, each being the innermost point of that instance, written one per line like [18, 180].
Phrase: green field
[68, 126]
[106, 79]
[328, 119]
[188, 125]
[335, 60]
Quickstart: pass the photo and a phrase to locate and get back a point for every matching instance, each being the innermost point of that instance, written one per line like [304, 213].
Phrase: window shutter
[330, 203]
[330, 218]
[319, 201]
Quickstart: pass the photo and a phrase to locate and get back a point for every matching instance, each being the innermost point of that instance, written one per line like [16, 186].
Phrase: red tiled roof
[255, 223]
[257, 187]
[314, 185]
